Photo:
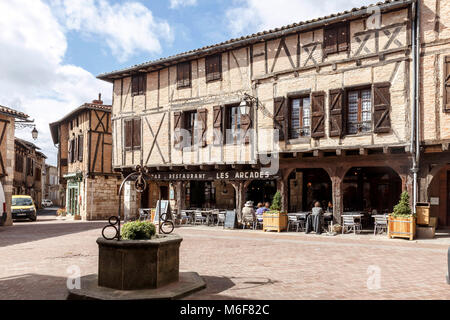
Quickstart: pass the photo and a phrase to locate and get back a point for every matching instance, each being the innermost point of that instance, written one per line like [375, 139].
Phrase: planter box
[275, 221]
[402, 227]
[138, 265]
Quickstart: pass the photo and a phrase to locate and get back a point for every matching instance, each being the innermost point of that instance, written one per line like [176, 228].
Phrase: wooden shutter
[135, 85]
[336, 112]
[177, 125]
[202, 118]
[128, 134]
[447, 84]
[218, 125]
[318, 114]
[80, 148]
[213, 66]
[246, 125]
[330, 41]
[382, 107]
[343, 37]
[136, 133]
[184, 74]
[280, 117]
[69, 155]
[143, 84]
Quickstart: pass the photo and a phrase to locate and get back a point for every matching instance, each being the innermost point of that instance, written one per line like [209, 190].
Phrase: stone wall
[100, 200]
[8, 155]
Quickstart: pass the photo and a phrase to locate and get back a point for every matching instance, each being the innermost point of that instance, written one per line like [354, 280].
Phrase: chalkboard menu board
[164, 209]
[230, 219]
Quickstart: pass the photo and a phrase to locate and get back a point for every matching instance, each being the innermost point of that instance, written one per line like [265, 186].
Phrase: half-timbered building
[340, 92]
[84, 142]
[29, 168]
[8, 118]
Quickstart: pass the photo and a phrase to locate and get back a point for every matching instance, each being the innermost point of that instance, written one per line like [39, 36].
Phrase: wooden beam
[363, 151]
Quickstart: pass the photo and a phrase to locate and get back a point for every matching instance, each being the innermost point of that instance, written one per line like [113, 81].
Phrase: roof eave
[165, 62]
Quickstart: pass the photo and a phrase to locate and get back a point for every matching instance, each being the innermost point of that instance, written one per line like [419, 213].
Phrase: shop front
[73, 193]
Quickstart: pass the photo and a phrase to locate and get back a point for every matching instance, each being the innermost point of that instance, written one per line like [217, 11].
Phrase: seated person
[328, 215]
[317, 209]
[260, 211]
[248, 213]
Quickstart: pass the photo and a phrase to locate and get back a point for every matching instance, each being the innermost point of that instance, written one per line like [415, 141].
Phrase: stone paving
[36, 259]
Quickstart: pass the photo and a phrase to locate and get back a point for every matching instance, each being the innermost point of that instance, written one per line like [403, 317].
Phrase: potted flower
[140, 260]
[275, 219]
[402, 222]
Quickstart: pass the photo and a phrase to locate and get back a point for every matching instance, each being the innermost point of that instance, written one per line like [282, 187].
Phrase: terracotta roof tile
[14, 113]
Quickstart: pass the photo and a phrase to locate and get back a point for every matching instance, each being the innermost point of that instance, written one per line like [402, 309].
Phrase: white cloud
[33, 77]
[248, 16]
[128, 28]
[174, 4]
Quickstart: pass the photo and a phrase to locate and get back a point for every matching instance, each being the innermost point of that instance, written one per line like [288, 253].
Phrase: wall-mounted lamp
[246, 102]
[34, 133]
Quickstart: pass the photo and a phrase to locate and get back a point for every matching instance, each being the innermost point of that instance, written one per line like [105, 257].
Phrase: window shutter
[213, 66]
[184, 74]
[336, 112]
[136, 133]
[343, 38]
[218, 125]
[330, 41]
[128, 134]
[447, 84]
[70, 155]
[177, 125]
[246, 125]
[280, 117]
[143, 86]
[202, 114]
[318, 114]
[382, 106]
[80, 148]
[135, 85]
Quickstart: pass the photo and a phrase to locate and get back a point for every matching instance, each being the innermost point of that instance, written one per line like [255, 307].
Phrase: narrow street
[37, 258]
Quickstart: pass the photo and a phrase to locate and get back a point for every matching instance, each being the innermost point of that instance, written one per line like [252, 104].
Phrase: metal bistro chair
[185, 217]
[199, 217]
[221, 218]
[349, 223]
[380, 224]
[144, 214]
[293, 221]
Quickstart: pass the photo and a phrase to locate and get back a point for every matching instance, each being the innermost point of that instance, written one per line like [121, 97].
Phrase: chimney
[99, 101]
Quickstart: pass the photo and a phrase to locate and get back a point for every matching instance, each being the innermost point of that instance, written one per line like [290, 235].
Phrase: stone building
[29, 168]
[84, 142]
[329, 102]
[51, 185]
[8, 118]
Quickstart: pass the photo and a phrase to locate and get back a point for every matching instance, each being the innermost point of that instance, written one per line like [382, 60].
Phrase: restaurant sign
[213, 175]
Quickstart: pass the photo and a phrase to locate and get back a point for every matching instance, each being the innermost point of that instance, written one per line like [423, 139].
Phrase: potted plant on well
[402, 222]
[275, 219]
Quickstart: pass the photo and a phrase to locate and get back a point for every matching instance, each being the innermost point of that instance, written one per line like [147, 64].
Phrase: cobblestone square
[37, 258]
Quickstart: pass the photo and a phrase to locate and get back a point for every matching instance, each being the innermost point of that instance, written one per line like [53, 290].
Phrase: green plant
[61, 212]
[276, 203]
[402, 209]
[138, 230]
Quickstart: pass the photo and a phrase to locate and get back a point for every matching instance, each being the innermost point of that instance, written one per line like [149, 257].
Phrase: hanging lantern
[34, 133]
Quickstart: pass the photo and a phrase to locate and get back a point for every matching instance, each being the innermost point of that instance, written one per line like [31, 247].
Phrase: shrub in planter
[276, 203]
[138, 230]
[402, 222]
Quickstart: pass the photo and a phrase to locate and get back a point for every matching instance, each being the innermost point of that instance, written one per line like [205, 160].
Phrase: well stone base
[189, 282]
[138, 265]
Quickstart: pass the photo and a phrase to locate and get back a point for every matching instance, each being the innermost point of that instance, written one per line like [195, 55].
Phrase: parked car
[47, 203]
[3, 213]
[23, 207]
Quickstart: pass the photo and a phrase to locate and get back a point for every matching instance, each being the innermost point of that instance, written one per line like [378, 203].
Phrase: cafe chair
[349, 224]
[199, 217]
[293, 222]
[185, 218]
[380, 224]
[221, 219]
[143, 214]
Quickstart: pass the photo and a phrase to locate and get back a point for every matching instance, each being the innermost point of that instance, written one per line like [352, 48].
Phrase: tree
[276, 203]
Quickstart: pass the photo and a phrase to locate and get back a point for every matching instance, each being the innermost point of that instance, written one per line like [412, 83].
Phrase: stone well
[138, 265]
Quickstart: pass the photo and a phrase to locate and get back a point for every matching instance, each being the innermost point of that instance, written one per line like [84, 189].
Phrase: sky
[52, 50]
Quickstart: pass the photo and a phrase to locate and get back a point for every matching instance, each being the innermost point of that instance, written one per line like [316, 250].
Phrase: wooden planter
[402, 227]
[275, 221]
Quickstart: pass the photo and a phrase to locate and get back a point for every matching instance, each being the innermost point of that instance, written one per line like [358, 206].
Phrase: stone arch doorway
[371, 188]
[438, 194]
[306, 186]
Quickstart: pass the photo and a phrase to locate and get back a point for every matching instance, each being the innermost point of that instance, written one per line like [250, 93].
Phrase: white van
[3, 213]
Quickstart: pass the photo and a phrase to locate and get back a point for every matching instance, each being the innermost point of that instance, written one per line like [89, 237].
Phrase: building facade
[323, 110]
[29, 170]
[8, 118]
[51, 185]
[84, 142]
